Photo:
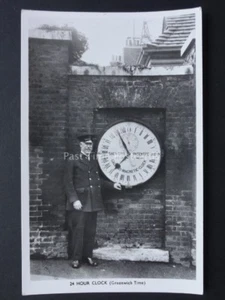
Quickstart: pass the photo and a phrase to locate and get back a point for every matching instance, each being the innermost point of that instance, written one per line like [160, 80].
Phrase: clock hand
[124, 145]
[118, 165]
[126, 157]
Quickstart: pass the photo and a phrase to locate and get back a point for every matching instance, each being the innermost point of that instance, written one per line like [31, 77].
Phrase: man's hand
[77, 205]
[117, 186]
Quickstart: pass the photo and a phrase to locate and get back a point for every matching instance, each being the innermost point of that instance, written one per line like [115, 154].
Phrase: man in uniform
[83, 190]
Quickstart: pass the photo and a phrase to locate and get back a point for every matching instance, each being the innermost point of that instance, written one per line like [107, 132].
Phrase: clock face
[129, 153]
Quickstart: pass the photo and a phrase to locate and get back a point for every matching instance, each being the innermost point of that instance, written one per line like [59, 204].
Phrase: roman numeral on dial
[111, 171]
[105, 147]
[116, 175]
[122, 177]
[106, 141]
[149, 166]
[106, 166]
[149, 142]
[105, 159]
[134, 177]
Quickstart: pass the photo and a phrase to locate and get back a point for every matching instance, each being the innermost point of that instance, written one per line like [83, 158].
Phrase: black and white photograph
[111, 152]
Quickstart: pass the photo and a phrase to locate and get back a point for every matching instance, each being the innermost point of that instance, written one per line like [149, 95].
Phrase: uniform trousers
[81, 233]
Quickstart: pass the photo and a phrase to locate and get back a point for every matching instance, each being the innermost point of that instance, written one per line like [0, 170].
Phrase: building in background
[116, 61]
[166, 50]
[133, 48]
[175, 46]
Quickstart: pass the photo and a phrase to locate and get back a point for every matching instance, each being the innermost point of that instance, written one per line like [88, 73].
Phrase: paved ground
[61, 269]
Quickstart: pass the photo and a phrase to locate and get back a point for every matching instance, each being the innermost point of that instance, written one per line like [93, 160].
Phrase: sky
[106, 32]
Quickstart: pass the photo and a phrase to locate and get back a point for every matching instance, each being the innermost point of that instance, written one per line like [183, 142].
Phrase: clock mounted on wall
[129, 153]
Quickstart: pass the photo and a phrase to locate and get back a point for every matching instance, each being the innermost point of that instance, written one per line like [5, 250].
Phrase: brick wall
[48, 62]
[157, 214]
[176, 95]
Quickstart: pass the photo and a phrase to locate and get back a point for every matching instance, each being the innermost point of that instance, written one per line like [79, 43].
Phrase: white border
[25, 155]
[152, 285]
[199, 150]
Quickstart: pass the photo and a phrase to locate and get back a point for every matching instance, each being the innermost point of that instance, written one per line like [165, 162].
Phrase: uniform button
[97, 172]
[89, 171]
[91, 186]
[99, 186]
[98, 178]
[90, 178]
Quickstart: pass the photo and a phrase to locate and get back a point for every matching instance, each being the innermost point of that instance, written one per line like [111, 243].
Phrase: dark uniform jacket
[82, 182]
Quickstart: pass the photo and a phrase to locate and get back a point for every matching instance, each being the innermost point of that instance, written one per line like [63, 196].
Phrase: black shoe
[76, 264]
[90, 261]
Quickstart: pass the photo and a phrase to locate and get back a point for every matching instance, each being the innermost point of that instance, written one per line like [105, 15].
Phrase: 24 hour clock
[129, 153]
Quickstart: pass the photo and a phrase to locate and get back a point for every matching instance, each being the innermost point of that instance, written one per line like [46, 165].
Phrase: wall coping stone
[118, 71]
[46, 34]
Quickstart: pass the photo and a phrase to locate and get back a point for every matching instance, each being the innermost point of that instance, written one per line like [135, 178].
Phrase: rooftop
[175, 31]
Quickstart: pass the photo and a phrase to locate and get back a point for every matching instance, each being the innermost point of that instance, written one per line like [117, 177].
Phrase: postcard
[112, 152]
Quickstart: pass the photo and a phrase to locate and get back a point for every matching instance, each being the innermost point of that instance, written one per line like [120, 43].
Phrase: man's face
[86, 147]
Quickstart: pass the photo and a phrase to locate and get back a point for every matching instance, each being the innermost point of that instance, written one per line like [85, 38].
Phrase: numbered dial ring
[129, 153]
